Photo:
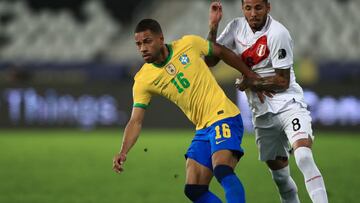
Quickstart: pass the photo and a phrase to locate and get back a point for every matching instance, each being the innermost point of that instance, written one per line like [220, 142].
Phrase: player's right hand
[118, 162]
[215, 14]
[240, 84]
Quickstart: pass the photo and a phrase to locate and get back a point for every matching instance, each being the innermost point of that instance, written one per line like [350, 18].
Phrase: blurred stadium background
[66, 71]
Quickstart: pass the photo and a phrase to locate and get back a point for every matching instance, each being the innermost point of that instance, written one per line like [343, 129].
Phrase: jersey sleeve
[281, 50]
[226, 38]
[141, 96]
[201, 45]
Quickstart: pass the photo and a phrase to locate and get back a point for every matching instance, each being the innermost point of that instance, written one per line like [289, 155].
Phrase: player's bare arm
[215, 15]
[234, 61]
[131, 134]
[277, 83]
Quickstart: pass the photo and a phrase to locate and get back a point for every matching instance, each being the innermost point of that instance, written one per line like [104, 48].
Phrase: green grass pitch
[71, 166]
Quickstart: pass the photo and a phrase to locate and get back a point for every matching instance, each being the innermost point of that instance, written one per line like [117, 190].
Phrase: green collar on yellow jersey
[168, 46]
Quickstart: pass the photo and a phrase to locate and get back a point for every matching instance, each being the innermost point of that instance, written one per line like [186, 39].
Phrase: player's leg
[299, 132]
[224, 162]
[198, 178]
[313, 179]
[273, 149]
[280, 172]
[199, 173]
[226, 151]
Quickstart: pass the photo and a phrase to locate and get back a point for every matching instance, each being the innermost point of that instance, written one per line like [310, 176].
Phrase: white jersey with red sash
[264, 51]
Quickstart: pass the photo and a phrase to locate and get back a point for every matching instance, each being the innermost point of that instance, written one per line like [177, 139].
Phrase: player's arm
[215, 15]
[281, 46]
[277, 83]
[233, 60]
[131, 134]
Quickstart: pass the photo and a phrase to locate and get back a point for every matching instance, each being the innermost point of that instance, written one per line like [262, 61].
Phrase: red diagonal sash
[257, 52]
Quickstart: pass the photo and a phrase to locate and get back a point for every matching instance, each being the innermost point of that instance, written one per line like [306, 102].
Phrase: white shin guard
[313, 179]
[286, 185]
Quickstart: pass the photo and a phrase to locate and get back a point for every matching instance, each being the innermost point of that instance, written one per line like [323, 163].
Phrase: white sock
[313, 179]
[286, 185]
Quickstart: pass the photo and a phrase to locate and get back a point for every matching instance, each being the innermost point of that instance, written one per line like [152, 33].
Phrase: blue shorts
[225, 134]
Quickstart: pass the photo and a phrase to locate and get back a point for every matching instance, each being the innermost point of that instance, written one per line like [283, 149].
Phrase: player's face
[255, 12]
[149, 45]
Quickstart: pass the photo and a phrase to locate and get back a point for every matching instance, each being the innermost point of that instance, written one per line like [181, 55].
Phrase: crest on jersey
[261, 50]
[171, 69]
[184, 59]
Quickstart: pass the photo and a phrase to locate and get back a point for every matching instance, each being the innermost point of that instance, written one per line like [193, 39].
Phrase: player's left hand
[215, 14]
[262, 94]
[118, 162]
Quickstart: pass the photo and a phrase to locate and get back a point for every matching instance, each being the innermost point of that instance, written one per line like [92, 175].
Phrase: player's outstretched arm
[277, 83]
[233, 60]
[131, 134]
[215, 15]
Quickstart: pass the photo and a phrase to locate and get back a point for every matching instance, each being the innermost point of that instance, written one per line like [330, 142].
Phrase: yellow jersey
[185, 79]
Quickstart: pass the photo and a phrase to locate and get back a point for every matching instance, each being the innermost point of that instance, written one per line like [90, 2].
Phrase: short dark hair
[265, 1]
[148, 24]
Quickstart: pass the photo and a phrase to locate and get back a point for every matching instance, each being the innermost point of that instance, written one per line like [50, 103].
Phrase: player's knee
[280, 178]
[194, 192]
[303, 157]
[221, 171]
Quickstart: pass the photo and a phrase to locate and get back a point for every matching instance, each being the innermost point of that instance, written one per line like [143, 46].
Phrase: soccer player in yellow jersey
[178, 72]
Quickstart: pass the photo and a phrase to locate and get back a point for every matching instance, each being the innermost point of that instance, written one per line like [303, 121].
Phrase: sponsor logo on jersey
[282, 53]
[156, 82]
[184, 59]
[159, 84]
[171, 69]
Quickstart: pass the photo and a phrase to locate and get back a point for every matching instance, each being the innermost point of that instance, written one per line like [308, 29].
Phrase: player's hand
[118, 162]
[262, 94]
[244, 82]
[215, 14]
[240, 84]
[251, 77]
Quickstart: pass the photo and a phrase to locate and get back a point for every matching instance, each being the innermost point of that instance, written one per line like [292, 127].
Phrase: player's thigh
[197, 174]
[225, 157]
[297, 127]
[198, 162]
[225, 140]
[270, 139]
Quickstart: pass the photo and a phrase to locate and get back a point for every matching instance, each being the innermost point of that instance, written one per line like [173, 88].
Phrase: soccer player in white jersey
[281, 118]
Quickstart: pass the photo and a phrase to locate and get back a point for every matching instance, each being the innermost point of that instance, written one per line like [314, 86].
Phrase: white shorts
[276, 133]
